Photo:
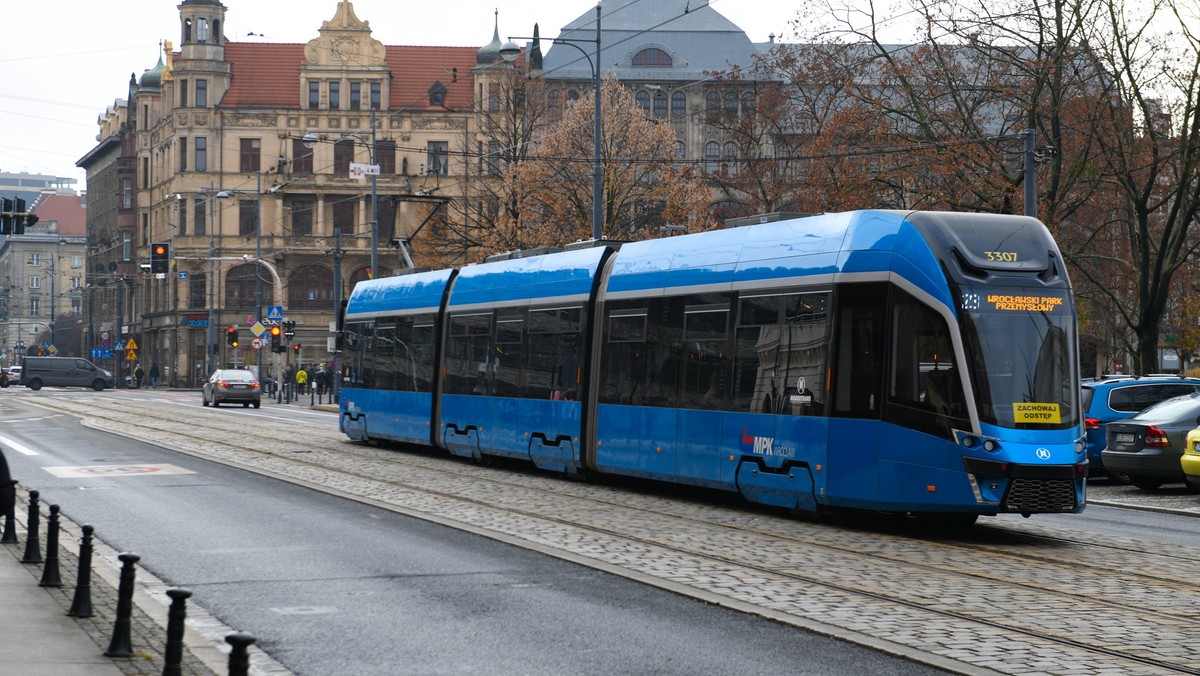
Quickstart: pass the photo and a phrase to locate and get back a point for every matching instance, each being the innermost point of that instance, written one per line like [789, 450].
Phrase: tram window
[861, 326]
[627, 328]
[925, 384]
[422, 348]
[509, 356]
[469, 367]
[354, 342]
[380, 367]
[552, 364]
[705, 340]
[782, 346]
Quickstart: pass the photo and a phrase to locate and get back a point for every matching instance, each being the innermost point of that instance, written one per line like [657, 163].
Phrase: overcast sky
[62, 62]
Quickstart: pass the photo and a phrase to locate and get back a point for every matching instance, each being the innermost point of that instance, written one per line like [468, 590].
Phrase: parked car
[1190, 462]
[3, 378]
[14, 373]
[1148, 447]
[227, 386]
[1115, 397]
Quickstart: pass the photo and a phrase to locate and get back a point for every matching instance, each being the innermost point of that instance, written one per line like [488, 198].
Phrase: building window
[241, 287]
[198, 290]
[251, 154]
[343, 155]
[183, 153]
[660, 103]
[712, 102]
[731, 104]
[126, 245]
[183, 93]
[76, 282]
[182, 218]
[198, 217]
[437, 96]
[385, 156]
[35, 259]
[343, 215]
[35, 282]
[712, 152]
[311, 288]
[247, 218]
[376, 95]
[748, 103]
[35, 306]
[355, 95]
[652, 56]
[302, 218]
[76, 305]
[729, 158]
[76, 261]
[572, 95]
[201, 93]
[643, 101]
[202, 30]
[201, 153]
[302, 157]
[678, 104]
[437, 162]
[493, 158]
[314, 95]
[335, 95]
[145, 173]
[126, 193]
[552, 102]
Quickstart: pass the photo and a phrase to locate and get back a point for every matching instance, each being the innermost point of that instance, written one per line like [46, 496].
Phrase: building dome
[152, 79]
[488, 53]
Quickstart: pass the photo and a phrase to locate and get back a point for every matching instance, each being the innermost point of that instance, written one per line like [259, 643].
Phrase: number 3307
[1001, 256]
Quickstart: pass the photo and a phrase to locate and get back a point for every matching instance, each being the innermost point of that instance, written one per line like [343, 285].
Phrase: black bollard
[10, 523]
[176, 617]
[33, 544]
[50, 576]
[81, 606]
[122, 640]
[239, 657]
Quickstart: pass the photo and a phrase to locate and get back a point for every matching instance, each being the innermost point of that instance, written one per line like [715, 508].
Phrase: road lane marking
[86, 471]
[19, 448]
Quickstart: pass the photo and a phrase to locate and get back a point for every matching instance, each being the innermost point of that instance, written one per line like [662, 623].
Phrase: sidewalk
[38, 638]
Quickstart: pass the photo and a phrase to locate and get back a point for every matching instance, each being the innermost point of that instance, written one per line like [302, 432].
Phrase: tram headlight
[990, 446]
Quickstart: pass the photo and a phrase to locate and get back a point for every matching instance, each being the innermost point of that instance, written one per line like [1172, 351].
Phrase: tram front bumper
[1027, 489]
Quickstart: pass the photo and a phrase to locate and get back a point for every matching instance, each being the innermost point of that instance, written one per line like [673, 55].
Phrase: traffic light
[276, 338]
[296, 349]
[18, 217]
[231, 336]
[160, 257]
[6, 217]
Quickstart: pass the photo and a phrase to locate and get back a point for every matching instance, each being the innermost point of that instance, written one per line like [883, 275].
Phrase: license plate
[242, 387]
[1126, 438]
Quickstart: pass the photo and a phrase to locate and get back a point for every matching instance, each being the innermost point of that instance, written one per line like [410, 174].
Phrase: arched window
[572, 95]
[748, 103]
[643, 100]
[731, 104]
[241, 285]
[678, 104]
[552, 102]
[660, 103]
[680, 154]
[310, 287]
[712, 102]
[729, 158]
[712, 152]
[652, 56]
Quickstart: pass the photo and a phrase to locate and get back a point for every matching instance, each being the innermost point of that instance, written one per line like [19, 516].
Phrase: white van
[64, 372]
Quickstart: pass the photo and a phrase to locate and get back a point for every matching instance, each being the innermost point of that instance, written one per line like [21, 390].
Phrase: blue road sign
[275, 313]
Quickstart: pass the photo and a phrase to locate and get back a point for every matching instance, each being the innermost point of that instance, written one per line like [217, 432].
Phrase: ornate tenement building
[228, 150]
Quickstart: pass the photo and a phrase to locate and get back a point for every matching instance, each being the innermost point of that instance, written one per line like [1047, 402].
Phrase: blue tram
[921, 363]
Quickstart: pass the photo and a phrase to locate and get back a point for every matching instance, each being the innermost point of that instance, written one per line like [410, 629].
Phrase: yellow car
[1191, 458]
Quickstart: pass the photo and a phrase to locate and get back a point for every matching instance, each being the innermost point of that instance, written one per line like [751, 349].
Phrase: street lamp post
[510, 51]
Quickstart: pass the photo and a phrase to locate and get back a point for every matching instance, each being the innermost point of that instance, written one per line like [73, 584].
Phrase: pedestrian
[138, 375]
[8, 491]
[154, 375]
[301, 380]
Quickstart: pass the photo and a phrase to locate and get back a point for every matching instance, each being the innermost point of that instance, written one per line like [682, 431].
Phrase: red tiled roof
[268, 75]
[68, 210]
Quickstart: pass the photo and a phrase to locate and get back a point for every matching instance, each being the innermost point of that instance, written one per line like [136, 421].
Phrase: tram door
[860, 338]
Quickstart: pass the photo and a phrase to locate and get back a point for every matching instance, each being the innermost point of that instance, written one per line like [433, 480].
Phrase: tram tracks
[936, 594]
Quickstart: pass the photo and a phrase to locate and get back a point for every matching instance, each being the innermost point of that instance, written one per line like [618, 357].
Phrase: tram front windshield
[1021, 345]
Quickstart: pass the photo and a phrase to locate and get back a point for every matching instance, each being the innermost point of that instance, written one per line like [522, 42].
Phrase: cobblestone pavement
[1011, 596]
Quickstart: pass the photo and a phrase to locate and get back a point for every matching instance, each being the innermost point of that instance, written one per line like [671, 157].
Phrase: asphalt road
[331, 586]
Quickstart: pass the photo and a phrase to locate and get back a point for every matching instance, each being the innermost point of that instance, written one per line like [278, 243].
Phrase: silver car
[236, 386]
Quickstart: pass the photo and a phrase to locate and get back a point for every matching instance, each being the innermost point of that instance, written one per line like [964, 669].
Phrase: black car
[1147, 447]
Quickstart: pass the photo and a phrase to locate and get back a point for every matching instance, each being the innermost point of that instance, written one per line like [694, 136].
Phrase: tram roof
[421, 291]
[565, 277]
[812, 249]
